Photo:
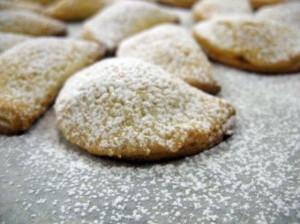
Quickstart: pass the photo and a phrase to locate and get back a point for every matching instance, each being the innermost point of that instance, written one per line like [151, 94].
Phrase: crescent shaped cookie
[28, 22]
[179, 3]
[19, 4]
[123, 19]
[32, 74]
[70, 10]
[288, 13]
[174, 49]
[207, 9]
[8, 40]
[251, 44]
[260, 3]
[127, 108]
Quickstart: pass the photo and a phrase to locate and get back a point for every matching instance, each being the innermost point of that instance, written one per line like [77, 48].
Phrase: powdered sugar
[123, 19]
[287, 13]
[260, 42]
[174, 49]
[8, 40]
[34, 71]
[122, 104]
[27, 22]
[207, 9]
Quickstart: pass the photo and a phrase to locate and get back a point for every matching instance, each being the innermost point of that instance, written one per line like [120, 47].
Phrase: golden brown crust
[191, 147]
[179, 3]
[260, 3]
[212, 88]
[27, 90]
[44, 2]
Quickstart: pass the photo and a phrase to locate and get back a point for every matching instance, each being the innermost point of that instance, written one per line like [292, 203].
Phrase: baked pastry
[207, 9]
[288, 13]
[251, 44]
[32, 74]
[260, 3]
[19, 4]
[8, 40]
[70, 10]
[123, 19]
[180, 3]
[127, 108]
[174, 49]
[31, 23]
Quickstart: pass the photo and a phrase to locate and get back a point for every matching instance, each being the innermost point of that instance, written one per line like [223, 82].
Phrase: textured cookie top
[74, 9]
[127, 104]
[124, 19]
[27, 22]
[288, 13]
[207, 9]
[258, 42]
[32, 72]
[174, 49]
[8, 40]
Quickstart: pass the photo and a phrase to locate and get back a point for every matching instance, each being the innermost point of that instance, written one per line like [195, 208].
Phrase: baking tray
[252, 177]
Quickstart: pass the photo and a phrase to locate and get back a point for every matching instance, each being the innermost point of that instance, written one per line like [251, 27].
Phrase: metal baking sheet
[252, 177]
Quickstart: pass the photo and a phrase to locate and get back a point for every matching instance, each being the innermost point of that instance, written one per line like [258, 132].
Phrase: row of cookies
[127, 107]
[253, 42]
[20, 16]
[74, 10]
[118, 107]
[178, 3]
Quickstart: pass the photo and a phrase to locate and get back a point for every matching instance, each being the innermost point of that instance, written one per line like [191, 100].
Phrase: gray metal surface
[253, 177]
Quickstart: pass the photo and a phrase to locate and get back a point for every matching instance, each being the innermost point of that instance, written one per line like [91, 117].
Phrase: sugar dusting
[288, 13]
[253, 177]
[174, 49]
[125, 103]
[123, 19]
[207, 9]
[258, 41]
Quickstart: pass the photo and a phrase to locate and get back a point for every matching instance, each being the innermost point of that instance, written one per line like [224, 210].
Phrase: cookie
[288, 13]
[179, 3]
[123, 19]
[260, 3]
[207, 9]
[127, 108]
[70, 10]
[173, 49]
[31, 23]
[8, 40]
[19, 4]
[32, 74]
[251, 44]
